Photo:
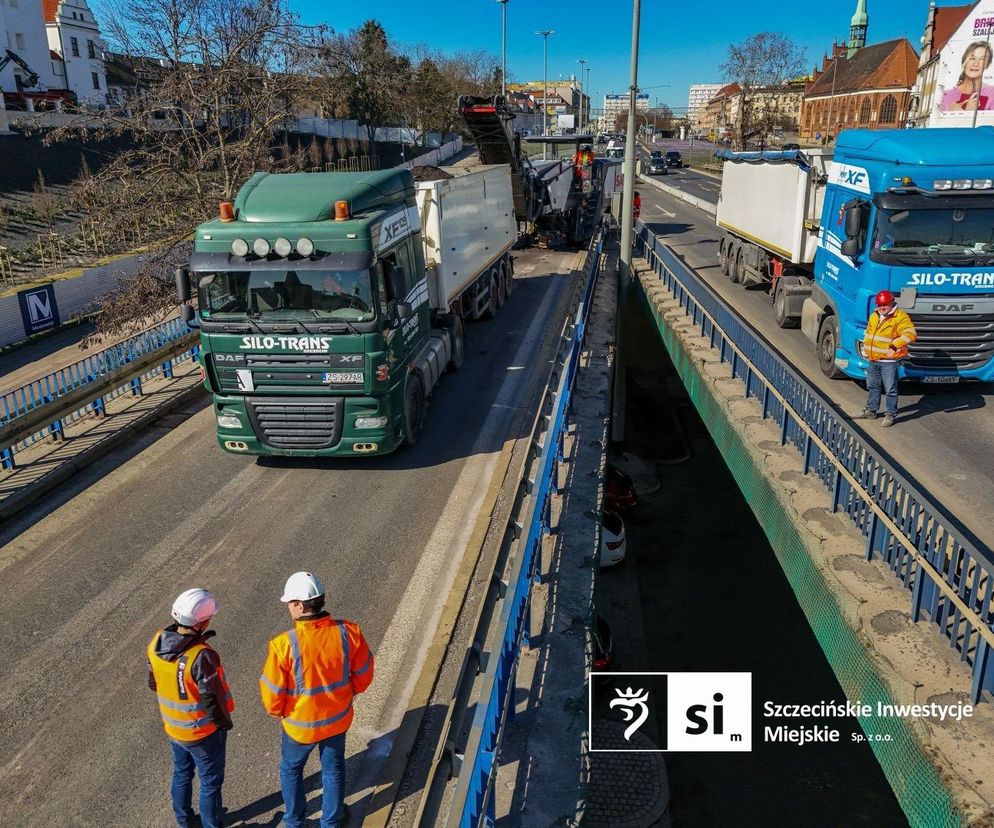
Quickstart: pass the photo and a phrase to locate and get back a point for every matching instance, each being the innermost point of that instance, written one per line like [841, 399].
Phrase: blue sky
[679, 45]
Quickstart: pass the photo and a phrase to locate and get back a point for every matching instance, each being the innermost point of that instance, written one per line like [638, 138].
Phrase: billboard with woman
[965, 93]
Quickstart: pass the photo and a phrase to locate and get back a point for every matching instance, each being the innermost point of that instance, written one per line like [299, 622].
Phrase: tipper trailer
[330, 304]
[910, 211]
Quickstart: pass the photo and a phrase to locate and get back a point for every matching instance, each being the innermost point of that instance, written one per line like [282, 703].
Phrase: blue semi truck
[911, 211]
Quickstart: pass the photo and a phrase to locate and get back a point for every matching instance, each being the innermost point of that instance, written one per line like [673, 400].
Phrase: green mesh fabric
[916, 783]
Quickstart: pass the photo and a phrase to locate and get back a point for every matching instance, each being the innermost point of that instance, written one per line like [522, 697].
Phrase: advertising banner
[39, 310]
[965, 80]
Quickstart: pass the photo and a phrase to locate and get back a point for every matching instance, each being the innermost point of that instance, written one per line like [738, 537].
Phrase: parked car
[603, 644]
[619, 491]
[658, 166]
[613, 544]
[674, 159]
[601, 139]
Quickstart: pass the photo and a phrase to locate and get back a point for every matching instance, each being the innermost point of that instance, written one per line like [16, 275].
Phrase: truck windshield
[958, 235]
[332, 294]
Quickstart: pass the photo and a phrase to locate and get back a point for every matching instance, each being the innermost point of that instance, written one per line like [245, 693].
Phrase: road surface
[87, 585]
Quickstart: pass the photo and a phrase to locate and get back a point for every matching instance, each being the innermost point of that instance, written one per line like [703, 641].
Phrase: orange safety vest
[882, 332]
[184, 715]
[311, 674]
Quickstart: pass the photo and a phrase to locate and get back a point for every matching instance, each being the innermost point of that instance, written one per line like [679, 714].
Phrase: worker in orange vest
[308, 682]
[888, 334]
[195, 703]
[636, 206]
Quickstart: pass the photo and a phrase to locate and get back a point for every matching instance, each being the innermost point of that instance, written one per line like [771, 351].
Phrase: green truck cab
[319, 336]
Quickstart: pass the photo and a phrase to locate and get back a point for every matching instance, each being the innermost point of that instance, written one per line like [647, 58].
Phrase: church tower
[857, 28]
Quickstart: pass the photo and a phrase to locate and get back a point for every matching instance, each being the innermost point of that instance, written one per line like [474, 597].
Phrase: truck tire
[780, 308]
[508, 279]
[723, 258]
[453, 324]
[738, 268]
[414, 409]
[491, 309]
[828, 340]
[501, 287]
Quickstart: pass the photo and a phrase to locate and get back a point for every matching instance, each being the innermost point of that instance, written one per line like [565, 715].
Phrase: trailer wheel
[828, 340]
[491, 309]
[414, 409]
[723, 258]
[780, 308]
[508, 279]
[453, 323]
[738, 269]
[501, 287]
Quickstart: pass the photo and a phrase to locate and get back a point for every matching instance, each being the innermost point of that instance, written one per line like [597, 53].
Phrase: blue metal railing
[48, 389]
[948, 575]
[474, 801]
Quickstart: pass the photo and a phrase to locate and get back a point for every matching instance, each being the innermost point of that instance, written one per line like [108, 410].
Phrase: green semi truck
[330, 304]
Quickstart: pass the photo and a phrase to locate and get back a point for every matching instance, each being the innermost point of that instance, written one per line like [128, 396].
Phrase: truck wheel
[723, 259]
[414, 409]
[780, 308]
[501, 288]
[491, 310]
[453, 324]
[738, 269]
[828, 340]
[508, 280]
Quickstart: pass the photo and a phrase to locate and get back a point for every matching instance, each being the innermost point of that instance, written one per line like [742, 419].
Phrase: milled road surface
[944, 438]
[86, 586]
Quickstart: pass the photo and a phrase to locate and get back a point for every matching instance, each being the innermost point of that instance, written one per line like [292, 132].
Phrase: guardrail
[948, 575]
[473, 803]
[41, 409]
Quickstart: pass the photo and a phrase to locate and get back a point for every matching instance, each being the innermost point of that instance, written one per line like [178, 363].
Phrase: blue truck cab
[911, 211]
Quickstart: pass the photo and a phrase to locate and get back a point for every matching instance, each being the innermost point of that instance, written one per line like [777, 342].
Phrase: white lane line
[407, 638]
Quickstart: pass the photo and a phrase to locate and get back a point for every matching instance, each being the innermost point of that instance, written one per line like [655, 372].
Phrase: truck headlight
[228, 421]
[859, 349]
[371, 422]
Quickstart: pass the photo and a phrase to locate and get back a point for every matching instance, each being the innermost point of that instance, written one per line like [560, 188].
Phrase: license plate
[350, 377]
[940, 380]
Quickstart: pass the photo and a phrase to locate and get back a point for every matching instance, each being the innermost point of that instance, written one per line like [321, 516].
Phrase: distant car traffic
[674, 159]
[658, 166]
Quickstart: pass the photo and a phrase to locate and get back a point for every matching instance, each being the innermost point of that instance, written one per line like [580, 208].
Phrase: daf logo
[952, 308]
[853, 177]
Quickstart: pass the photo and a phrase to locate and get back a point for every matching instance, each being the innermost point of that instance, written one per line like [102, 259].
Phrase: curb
[33, 491]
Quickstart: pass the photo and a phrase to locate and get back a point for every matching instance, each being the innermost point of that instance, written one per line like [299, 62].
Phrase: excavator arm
[11, 57]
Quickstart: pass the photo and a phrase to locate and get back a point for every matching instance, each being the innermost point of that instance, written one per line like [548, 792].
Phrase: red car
[619, 491]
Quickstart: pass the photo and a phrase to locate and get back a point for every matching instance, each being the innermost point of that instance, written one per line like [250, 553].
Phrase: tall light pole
[503, 48]
[627, 234]
[545, 88]
[582, 62]
[589, 98]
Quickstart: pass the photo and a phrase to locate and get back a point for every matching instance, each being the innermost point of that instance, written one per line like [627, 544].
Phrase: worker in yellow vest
[195, 704]
[889, 332]
[308, 682]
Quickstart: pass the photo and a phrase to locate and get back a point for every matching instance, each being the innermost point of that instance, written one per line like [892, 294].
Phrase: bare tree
[761, 64]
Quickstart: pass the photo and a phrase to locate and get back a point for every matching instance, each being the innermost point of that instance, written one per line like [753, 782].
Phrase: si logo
[693, 712]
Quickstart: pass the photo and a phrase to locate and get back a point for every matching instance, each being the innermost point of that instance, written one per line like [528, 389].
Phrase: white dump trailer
[769, 210]
[468, 227]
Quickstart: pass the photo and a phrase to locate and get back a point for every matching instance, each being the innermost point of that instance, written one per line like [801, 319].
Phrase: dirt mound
[430, 173]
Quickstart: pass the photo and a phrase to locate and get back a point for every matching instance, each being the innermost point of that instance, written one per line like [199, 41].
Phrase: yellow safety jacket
[184, 713]
[888, 337]
[311, 674]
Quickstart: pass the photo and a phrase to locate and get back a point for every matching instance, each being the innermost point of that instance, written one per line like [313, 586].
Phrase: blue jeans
[294, 757]
[882, 376]
[207, 758]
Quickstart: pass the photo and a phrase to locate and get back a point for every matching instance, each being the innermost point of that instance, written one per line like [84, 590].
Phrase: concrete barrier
[699, 203]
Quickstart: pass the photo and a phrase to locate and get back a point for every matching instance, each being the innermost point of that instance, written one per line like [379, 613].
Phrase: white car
[613, 543]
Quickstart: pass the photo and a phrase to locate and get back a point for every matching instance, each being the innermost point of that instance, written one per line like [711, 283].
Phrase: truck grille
[952, 343]
[297, 423]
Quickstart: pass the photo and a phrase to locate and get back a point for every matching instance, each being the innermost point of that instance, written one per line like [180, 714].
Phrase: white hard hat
[194, 606]
[302, 586]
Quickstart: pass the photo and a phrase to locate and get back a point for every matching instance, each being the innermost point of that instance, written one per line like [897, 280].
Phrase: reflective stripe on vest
[184, 716]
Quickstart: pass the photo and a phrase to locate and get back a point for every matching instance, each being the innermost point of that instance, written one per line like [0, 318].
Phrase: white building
[22, 30]
[700, 94]
[614, 105]
[73, 35]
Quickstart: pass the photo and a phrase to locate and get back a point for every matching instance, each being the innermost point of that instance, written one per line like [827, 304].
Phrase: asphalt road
[944, 438]
[87, 585]
[690, 181]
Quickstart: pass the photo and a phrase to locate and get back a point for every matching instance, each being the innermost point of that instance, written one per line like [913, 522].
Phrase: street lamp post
[545, 88]
[503, 48]
[589, 98]
[582, 62]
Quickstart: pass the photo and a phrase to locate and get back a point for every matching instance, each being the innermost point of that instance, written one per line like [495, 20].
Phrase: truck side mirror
[189, 315]
[854, 221]
[851, 248]
[183, 289]
[404, 310]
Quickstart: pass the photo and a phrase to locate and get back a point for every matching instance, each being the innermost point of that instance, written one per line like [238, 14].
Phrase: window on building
[19, 40]
[864, 112]
[74, 46]
[91, 51]
[888, 110]
[96, 80]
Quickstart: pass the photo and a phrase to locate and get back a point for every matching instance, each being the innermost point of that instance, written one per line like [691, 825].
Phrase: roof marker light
[240, 247]
[942, 184]
[983, 183]
[260, 247]
[305, 247]
[227, 211]
[962, 183]
[283, 247]
[342, 211]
